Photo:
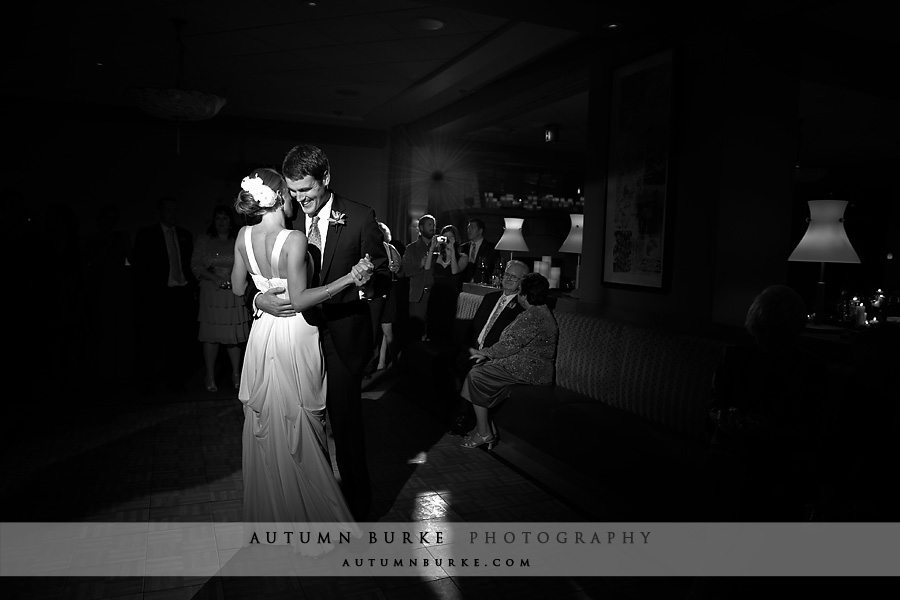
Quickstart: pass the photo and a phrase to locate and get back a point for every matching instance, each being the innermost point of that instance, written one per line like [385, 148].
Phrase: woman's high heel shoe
[211, 384]
[476, 439]
[236, 380]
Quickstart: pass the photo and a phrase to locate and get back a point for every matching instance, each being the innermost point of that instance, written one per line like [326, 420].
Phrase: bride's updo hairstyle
[262, 191]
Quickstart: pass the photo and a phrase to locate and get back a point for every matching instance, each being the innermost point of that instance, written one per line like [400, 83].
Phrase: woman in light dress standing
[222, 316]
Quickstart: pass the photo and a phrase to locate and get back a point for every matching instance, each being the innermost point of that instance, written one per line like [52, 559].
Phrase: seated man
[496, 311]
[524, 354]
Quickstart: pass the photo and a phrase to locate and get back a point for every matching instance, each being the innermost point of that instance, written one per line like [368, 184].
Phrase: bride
[288, 477]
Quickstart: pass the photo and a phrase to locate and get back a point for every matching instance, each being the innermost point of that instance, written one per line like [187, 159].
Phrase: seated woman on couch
[524, 354]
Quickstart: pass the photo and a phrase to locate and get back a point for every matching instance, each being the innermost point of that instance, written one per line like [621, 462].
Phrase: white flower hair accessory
[263, 194]
[337, 218]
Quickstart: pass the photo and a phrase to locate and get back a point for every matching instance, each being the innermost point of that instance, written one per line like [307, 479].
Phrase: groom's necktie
[314, 237]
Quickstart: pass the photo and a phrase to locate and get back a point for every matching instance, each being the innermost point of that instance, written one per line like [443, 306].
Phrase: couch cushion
[588, 434]
[467, 305]
[636, 461]
[586, 356]
[666, 378]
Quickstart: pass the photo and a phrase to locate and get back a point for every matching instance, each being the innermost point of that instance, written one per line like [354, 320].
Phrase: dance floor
[161, 459]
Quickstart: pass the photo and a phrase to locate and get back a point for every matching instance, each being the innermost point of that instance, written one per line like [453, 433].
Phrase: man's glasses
[511, 277]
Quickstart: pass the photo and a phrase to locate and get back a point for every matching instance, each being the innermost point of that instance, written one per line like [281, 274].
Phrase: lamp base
[823, 328]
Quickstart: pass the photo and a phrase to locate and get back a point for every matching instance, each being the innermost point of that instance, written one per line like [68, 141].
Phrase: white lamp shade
[512, 239]
[825, 239]
[576, 233]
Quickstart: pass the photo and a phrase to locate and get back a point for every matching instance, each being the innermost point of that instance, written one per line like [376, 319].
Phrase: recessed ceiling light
[613, 25]
[428, 23]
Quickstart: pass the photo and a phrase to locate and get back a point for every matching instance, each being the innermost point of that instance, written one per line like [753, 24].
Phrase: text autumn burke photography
[282, 535]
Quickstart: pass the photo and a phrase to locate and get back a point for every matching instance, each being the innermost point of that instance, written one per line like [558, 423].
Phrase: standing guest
[420, 279]
[166, 298]
[339, 232]
[447, 264]
[287, 474]
[480, 252]
[495, 313]
[223, 320]
[383, 306]
[525, 353]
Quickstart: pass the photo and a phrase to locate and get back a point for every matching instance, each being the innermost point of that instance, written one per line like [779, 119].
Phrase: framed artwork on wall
[638, 180]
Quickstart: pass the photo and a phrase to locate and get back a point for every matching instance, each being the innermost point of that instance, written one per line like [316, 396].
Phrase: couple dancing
[308, 345]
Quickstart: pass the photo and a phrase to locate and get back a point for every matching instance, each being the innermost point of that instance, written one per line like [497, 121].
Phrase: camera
[442, 239]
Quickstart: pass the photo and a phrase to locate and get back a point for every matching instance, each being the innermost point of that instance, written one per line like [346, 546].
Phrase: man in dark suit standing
[481, 253]
[496, 311]
[421, 280]
[340, 232]
[167, 310]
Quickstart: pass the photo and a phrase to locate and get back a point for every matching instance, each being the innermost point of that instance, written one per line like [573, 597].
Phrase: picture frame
[636, 246]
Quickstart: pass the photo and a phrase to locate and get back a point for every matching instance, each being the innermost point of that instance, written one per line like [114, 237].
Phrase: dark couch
[625, 419]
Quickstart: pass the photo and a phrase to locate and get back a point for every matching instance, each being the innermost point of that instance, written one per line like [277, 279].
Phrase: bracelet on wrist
[327, 291]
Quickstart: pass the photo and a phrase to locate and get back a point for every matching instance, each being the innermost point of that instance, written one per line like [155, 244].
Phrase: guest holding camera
[447, 264]
[525, 353]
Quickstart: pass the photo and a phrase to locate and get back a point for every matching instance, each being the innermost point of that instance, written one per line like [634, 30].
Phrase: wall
[62, 165]
[89, 157]
[729, 204]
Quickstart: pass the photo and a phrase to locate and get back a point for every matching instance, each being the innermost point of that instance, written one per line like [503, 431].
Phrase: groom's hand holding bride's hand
[362, 271]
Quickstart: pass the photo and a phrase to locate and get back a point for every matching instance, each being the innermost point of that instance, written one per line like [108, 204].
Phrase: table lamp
[512, 239]
[572, 245]
[824, 241]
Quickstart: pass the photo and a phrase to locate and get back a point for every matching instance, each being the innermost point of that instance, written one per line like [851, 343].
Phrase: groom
[343, 232]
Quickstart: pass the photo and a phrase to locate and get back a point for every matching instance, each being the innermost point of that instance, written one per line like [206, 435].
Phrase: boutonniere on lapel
[337, 218]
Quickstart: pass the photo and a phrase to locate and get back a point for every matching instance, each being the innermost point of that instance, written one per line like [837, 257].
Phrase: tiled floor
[170, 458]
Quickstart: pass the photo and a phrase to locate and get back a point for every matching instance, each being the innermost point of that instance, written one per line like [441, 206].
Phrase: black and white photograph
[451, 299]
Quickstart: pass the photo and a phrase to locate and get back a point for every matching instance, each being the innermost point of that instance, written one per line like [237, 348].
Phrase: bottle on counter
[497, 278]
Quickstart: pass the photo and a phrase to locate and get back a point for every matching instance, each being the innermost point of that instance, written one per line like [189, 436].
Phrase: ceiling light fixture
[175, 103]
[428, 23]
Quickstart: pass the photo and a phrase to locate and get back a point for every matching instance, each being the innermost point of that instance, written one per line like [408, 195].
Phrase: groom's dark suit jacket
[348, 317]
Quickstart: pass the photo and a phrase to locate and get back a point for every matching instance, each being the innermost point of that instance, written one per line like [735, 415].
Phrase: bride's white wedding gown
[287, 474]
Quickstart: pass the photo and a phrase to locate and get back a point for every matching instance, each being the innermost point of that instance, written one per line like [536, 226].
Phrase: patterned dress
[525, 353]
[223, 317]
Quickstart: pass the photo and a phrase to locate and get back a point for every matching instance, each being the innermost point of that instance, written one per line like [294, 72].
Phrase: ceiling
[495, 71]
